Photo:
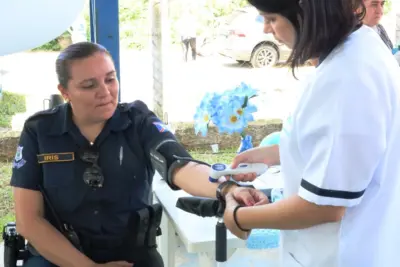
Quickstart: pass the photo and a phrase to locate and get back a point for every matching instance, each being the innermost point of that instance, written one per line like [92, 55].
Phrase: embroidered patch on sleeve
[19, 161]
[161, 127]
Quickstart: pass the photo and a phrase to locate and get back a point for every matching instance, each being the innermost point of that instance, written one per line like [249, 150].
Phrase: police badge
[18, 155]
[18, 159]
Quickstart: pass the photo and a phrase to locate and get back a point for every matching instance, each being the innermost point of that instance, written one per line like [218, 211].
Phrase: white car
[241, 38]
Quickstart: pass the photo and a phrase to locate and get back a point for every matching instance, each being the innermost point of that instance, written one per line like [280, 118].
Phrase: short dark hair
[73, 52]
[325, 25]
[290, 9]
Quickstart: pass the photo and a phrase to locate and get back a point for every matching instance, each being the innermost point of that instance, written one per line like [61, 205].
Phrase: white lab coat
[342, 148]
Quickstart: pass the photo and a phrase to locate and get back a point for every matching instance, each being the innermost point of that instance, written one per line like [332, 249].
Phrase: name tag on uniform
[56, 157]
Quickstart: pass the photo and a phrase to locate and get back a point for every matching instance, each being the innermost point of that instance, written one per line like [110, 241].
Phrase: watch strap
[221, 188]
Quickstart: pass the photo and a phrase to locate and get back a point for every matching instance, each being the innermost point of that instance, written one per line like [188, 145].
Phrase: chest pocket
[60, 180]
[129, 182]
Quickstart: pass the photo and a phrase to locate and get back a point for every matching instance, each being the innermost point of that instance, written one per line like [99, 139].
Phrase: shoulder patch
[161, 127]
[19, 161]
[18, 154]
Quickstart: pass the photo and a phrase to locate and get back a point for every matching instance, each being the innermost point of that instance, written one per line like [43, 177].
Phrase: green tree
[135, 23]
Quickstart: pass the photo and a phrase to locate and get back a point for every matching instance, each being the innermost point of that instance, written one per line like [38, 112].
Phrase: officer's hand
[248, 196]
[115, 264]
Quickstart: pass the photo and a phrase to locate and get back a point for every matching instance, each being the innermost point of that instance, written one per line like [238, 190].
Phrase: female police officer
[90, 159]
[339, 154]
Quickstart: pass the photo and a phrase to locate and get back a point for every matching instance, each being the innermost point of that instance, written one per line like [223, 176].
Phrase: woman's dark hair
[325, 25]
[73, 52]
[321, 25]
[290, 9]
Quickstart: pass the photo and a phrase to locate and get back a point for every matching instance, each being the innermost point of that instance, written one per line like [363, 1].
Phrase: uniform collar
[63, 122]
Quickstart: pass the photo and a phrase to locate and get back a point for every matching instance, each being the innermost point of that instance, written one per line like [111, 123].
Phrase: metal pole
[157, 57]
[221, 243]
[92, 8]
[104, 28]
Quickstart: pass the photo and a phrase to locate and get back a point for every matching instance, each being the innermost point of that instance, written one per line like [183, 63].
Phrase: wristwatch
[222, 186]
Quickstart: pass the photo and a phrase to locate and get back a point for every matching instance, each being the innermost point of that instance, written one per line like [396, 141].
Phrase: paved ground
[185, 84]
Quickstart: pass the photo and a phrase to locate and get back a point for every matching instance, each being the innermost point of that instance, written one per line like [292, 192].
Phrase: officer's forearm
[193, 179]
[52, 245]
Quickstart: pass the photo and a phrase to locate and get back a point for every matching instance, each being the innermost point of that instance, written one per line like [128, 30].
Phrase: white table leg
[208, 259]
[167, 241]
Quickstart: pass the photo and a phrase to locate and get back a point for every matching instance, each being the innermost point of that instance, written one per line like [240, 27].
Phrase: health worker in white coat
[340, 153]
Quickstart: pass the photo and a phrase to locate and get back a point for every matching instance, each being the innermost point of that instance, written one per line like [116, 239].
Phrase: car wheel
[264, 56]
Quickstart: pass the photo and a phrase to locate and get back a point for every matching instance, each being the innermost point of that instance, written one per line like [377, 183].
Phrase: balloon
[271, 139]
[26, 24]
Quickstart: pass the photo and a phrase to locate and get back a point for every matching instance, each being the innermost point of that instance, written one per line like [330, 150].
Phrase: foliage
[230, 111]
[53, 45]
[388, 6]
[135, 22]
[224, 156]
[223, 8]
[6, 203]
[207, 14]
[10, 104]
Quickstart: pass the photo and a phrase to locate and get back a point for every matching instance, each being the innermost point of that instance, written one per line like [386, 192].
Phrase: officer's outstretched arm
[29, 206]
[163, 149]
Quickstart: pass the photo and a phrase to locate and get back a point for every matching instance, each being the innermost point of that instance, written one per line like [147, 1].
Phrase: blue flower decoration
[202, 118]
[230, 111]
[245, 90]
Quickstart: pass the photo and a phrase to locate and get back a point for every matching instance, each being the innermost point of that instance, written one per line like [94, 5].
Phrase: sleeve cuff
[17, 184]
[171, 172]
[321, 196]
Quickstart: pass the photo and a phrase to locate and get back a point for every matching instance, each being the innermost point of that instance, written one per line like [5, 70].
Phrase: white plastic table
[196, 233]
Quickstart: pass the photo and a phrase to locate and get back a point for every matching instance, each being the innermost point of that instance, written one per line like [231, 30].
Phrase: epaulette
[43, 113]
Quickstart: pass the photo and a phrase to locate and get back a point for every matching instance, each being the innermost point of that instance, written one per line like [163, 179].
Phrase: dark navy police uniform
[48, 155]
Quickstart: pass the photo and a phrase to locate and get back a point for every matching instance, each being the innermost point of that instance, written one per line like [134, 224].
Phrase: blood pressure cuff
[163, 159]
